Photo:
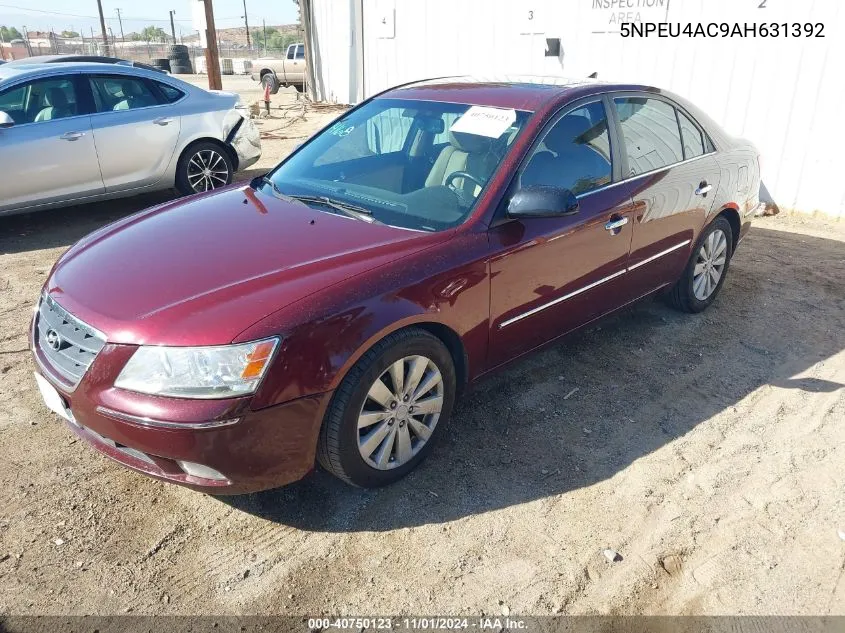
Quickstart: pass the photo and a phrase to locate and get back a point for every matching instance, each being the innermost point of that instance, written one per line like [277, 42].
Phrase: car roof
[521, 92]
[12, 71]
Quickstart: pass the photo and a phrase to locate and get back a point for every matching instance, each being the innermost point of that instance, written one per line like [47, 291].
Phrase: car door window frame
[83, 105]
[613, 131]
[709, 148]
[150, 85]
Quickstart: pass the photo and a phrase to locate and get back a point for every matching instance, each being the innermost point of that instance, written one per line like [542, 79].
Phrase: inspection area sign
[607, 15]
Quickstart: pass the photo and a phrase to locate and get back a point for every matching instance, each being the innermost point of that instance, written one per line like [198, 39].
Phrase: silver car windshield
[415, 164]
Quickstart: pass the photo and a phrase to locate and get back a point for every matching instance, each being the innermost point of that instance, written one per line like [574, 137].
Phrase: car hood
[201, 270]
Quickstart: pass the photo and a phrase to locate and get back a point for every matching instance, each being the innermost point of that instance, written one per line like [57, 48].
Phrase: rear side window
[121, 92]
[691, 135]
[650, 130]
[170, 93]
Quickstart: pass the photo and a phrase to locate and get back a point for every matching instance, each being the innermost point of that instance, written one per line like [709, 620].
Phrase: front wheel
[706, 270]
[203, 167]
[389, 410]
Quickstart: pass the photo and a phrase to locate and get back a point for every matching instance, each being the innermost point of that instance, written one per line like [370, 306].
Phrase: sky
[81, 15]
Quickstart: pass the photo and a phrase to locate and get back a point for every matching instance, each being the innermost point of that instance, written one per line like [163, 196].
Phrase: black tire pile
[180, 60]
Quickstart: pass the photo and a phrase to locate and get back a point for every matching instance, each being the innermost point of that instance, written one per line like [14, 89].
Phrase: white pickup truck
[289, 71]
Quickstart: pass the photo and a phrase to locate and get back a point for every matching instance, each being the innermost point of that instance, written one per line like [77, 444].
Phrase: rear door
[136, 128]
[672, 177]
[48, 155]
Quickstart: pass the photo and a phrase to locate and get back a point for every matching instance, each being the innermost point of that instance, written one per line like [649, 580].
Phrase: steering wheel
[464, 198]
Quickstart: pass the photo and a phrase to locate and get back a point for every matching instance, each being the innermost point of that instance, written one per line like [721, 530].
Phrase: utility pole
[246, 23]
[212, 55]
[26, 43]
[120, 20]
[172, 26]
[103, 26]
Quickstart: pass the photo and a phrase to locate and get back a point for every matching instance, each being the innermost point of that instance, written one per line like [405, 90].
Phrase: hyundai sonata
[333, 310]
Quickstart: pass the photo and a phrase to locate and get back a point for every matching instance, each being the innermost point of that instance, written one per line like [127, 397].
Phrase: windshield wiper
[352, 210]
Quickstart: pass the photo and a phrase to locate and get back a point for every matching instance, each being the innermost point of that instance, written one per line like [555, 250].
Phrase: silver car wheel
[710, 265]
[207, 170]
[400, 412]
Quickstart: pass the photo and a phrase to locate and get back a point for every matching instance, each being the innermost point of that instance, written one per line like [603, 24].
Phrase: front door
[550, 275]
[48, 155]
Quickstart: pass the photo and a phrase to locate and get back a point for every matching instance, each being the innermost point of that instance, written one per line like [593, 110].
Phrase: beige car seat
[465, 152]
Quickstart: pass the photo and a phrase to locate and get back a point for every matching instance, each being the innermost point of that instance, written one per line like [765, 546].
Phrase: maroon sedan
[334, 309]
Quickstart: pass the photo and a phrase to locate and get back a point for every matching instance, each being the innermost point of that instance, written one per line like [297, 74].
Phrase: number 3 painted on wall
[530, 15]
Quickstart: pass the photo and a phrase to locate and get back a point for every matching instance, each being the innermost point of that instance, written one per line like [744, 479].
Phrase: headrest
[470, 143]
[561, 137]
[131, 88]
[56, 97]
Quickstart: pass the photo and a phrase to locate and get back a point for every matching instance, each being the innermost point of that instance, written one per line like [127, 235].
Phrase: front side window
[415, 164]
[291, 51]
[574, 154]
[300, 51]
[39, 101]
[650, 130]
[120, 92]
[691, 136]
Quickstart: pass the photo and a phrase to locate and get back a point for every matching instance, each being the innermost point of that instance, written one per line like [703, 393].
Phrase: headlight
[198, 372]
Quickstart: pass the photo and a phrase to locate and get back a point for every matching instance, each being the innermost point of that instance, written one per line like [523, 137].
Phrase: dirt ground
[706, 450]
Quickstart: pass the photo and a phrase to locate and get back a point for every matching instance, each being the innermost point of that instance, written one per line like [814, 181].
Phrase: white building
[786, 94]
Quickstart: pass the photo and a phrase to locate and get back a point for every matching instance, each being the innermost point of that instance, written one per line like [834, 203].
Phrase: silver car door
[48, 155]
[135, 128]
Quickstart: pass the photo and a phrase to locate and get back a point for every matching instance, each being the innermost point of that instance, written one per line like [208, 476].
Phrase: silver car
[79, 132]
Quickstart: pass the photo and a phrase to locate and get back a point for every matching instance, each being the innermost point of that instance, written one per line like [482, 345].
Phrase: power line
[95, 17]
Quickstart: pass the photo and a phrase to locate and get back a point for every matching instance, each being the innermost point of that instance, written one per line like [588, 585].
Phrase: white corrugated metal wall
[785, 94]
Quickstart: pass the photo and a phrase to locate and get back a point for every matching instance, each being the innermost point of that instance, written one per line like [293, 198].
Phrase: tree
[70, 34]
[153, 34]
[10, 34]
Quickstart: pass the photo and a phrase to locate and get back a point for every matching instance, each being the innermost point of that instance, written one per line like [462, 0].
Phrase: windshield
[414, 164]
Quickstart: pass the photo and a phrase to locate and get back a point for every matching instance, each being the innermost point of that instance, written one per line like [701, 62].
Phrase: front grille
[67, 344]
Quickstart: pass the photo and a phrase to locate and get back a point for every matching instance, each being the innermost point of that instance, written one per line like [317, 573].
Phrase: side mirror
[6, 120]
[540, 201]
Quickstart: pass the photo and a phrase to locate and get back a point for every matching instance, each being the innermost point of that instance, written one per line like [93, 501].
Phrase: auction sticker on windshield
[484, 121]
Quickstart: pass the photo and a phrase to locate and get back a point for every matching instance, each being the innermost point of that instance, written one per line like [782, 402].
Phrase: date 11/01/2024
[418, 624]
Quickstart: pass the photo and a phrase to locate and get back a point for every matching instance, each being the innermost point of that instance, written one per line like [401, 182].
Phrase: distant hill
[237, 35]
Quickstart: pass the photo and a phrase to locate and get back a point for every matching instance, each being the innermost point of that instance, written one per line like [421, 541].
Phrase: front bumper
[243, 136]
[263, 449]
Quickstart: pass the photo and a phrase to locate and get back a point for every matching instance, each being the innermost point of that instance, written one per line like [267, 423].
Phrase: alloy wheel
[710, 265]
[400, 412]
[207, 170]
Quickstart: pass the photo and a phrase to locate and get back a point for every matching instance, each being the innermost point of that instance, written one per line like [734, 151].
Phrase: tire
[270, 80]
[176, 50]
[340, 437]
[162, 64]
[178, 69]
[188, 178]
[690, 293]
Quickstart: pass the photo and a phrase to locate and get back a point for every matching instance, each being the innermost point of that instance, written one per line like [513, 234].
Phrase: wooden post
[103, 28]
[212, 56]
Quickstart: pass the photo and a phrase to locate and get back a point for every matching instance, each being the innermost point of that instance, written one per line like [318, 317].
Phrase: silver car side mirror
[6, 120]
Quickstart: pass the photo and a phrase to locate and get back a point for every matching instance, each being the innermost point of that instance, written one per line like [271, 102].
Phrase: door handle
[615, 224]
[165, 120]
[72, 136]
[703, 189]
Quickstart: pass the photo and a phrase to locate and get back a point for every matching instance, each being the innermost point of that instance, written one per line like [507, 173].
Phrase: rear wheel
[706, 270]
[389, 410]
[203, 167]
